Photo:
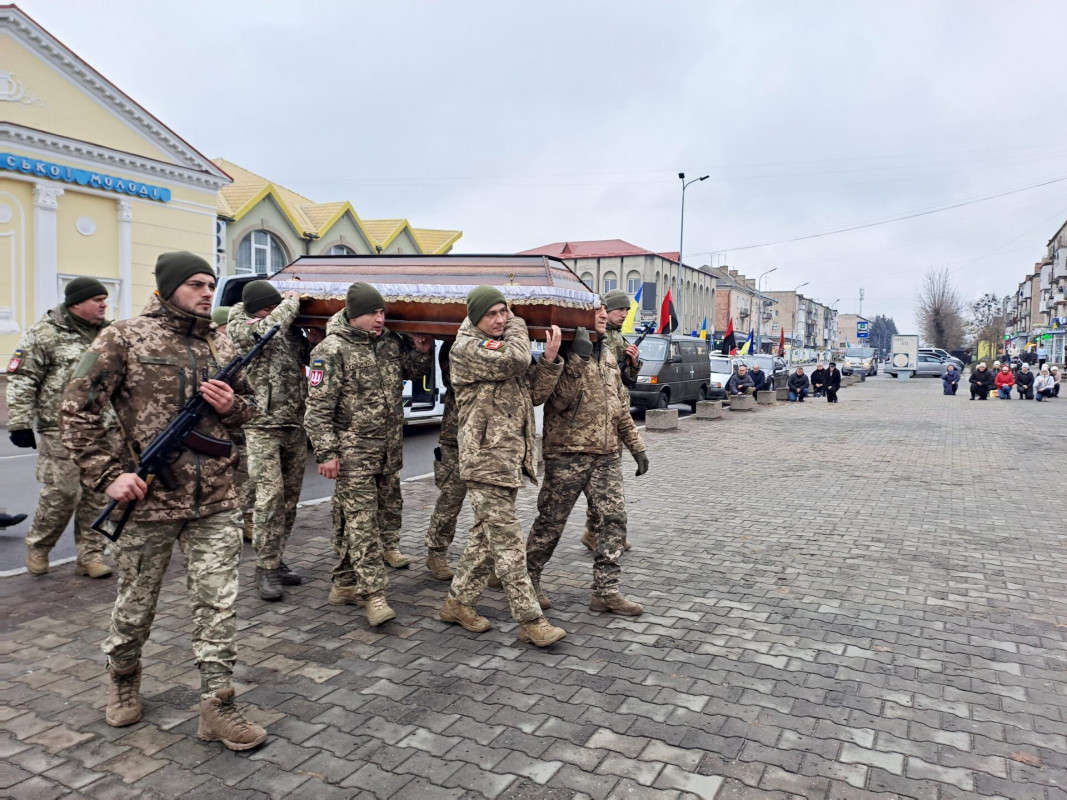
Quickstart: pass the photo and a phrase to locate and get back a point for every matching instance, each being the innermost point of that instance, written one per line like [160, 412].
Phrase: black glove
[581, 345]
[642, 463]
[23, 438]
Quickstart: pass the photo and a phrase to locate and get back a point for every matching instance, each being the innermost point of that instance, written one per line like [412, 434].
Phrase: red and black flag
[729, 343]
[781, 344]
[668, 317]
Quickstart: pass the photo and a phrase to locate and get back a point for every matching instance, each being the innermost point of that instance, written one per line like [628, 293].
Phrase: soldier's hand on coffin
[291, 293]
[218, 394]
[330, 469]
[510, 313]
[553, 339]
[126, 487]
[642, 463]
[423, 342]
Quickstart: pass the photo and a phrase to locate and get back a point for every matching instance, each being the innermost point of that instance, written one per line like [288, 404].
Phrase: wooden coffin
[428, 294]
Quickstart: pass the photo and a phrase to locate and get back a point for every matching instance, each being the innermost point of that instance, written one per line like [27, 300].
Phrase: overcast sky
[528, 123]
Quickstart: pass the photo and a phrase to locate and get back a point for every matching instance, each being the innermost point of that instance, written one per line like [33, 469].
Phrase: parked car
[674, 369]
[944, 355]
[776, 368]
[861, 360]
[722, 368]
[929, 366]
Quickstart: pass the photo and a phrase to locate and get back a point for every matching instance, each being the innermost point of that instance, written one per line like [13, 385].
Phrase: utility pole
[860, 313]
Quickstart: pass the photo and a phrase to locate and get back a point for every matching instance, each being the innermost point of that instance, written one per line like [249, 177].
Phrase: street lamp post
[793, 328]
[833, 308]
[681, 240]
[759, 319]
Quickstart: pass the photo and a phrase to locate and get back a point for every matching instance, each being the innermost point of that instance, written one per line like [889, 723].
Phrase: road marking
[21, 455]
[9, 573]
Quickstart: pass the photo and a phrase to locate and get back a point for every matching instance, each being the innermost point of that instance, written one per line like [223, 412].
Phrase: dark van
[674, 369]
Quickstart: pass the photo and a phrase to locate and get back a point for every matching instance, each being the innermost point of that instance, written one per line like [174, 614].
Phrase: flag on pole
[746, 348]
[668, 317]
[704, 330]
[631, 315]
[781, 344]
[729, 343]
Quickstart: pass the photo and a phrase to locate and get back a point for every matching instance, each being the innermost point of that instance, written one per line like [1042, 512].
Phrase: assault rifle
[179, 435]
[628, 381]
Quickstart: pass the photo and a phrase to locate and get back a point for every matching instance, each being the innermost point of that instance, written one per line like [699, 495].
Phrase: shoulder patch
[317, 372]
[16, 361]
[85, 364]
[492, 344]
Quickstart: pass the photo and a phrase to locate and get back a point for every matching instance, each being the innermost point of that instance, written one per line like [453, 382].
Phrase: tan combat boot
[124, 697]
[94, 569]
[540, 632]
[439, 568]
[395, 559]
[454, 611]
[494, 581]
[616, 604]
[378, 611]
[344, 595]
[37, 561]
[542, 598]
[222, 721]
[589, 540]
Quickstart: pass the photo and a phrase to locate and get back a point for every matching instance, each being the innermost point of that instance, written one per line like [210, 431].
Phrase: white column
[125, 309]
[45, 248]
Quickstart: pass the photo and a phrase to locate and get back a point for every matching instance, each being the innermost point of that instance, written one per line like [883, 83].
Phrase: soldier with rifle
[149, 368]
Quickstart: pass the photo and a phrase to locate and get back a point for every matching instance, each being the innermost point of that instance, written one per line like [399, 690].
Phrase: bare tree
[940, 310]
[986, 322]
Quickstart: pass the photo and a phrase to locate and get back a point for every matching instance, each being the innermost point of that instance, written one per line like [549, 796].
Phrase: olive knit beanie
[480, 300]
[616, 299]
[362, 298]
[81, 289]
[221, 315]
[174, 269]
[258, 295]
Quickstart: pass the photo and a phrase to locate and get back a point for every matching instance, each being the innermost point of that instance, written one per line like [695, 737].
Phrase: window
[340, 250]
[587, 279]
[260, 253]
[611, 282]
[114, 292]
[633, 283]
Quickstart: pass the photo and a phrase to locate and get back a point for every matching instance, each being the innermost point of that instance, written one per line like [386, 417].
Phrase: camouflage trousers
[212, 550]
[453, 491]
[365, 507]
[61, 497]
[276, 462]
[495, 537]
[566, 476]
[246, 490]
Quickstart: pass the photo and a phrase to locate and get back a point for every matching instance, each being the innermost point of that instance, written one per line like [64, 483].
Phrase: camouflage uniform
[587, 417]
[496, 388]
[275, 439]
[355, 413]
[38, 373]
[453, 490]
[147, 367]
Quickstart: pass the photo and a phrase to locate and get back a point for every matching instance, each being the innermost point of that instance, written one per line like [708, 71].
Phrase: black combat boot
[268, 585]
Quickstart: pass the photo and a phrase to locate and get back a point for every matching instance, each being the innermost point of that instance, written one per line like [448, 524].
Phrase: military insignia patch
[317, 372]
[492, 344]
[16, 361]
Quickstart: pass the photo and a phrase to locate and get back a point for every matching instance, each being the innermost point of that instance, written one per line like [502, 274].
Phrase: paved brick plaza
[870, 609]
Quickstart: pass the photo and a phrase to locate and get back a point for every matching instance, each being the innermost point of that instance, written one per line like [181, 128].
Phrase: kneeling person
[586, 417]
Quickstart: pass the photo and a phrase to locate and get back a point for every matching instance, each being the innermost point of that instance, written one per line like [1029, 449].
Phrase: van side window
[676, 349]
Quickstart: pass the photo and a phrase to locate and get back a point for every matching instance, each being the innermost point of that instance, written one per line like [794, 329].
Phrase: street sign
[863, 334]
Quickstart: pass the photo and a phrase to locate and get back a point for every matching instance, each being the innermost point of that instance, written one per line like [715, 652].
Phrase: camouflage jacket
[277, 374]
[147, 367]
[616, 342]
[355, 397]
[40, 369]
[449, 436]
[497, 385]
[589, 410]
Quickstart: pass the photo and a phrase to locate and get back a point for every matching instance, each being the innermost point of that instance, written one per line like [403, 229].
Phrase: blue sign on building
[82, 177]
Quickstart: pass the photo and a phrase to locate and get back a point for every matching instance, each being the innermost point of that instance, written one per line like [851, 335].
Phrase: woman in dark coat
[982, 381]
[833, 383]
[951, 379]
[818, 380]
[1024, 382]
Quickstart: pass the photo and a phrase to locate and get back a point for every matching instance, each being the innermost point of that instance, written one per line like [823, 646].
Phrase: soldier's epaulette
[492, 344]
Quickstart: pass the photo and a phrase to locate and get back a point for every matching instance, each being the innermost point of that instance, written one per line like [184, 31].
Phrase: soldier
[587, 416]
[147, 368]
[617, 303]
[38, 372]
[496, 388]
[355, 418]
[276, 442]
[246, 490]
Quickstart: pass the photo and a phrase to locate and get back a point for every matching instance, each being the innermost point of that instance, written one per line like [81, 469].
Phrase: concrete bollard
[742, 402]
[661, 419]
[709, 409]
[766, 398]
[781, 394]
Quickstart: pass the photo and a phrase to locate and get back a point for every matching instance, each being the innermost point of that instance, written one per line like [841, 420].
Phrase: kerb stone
[661, 419]
[709, 409]
[742, 402]
[767, 398]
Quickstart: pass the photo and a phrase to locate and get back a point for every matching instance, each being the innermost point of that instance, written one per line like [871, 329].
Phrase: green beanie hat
[616, 299]
[480, 300]
[81, 289]
[174, 269]
[362, 298]
[258, 295]
[221, 315]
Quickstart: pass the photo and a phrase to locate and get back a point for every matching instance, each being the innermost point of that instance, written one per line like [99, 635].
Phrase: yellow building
[263, 226]
[90, 182]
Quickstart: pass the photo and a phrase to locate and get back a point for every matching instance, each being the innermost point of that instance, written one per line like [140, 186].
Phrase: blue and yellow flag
[704, 330]
[631, 315]
[746, 348]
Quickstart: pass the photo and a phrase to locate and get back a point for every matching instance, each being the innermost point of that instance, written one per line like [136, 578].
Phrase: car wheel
[701, 396]
[663, 401]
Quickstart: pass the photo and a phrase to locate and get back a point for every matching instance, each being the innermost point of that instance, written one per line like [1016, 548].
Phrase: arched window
[633, 282]
[611, 282]
[340, 250]
[589, 280]
[260, 253]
